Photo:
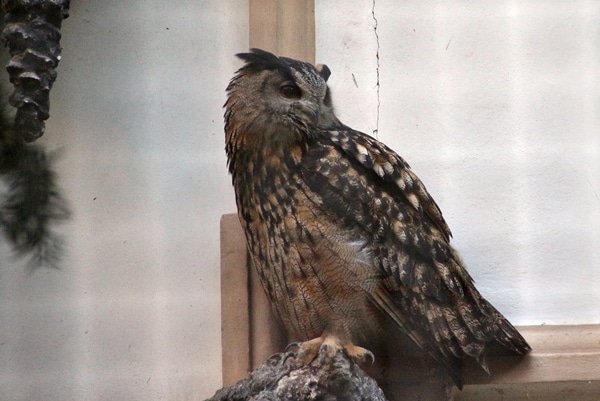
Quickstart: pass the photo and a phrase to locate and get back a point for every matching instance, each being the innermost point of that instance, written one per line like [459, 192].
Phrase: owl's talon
[323, 349]
[295, 344]
[327, 347]
[370, 356]
[276, 358]
[289, 355]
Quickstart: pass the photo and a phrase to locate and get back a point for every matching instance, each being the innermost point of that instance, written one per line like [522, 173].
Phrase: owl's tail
[471, 329]
[385, 303]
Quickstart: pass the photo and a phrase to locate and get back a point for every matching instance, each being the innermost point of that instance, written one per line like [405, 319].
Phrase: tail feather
[384, 302]
[451, 334]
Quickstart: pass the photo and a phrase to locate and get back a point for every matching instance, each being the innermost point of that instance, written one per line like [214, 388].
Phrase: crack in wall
[375, 25]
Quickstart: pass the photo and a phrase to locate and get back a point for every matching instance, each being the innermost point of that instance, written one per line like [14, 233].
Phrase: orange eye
[290, 91]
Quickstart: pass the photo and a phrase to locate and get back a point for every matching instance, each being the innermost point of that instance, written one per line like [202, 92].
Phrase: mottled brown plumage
[344, 236]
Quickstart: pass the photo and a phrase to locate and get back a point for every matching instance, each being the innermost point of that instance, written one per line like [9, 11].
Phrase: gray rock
[325, 379]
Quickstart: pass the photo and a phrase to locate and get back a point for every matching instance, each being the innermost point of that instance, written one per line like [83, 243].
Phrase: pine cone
[32, 34]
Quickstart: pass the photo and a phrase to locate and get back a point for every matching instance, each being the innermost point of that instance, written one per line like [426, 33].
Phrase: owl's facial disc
[310, 81]
[293, 101]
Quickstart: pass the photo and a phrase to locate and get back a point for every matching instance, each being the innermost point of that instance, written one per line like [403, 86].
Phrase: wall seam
[375, 26]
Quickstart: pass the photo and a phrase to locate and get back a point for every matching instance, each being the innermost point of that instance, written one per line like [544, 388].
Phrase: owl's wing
[376, 158]
[424, 288]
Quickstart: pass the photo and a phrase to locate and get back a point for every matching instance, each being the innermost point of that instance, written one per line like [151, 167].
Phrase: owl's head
[276, 101]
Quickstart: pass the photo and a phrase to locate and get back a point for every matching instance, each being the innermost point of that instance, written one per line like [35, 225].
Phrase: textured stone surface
[324, 379]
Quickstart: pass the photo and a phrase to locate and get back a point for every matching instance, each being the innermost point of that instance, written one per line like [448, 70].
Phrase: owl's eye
[290, 91]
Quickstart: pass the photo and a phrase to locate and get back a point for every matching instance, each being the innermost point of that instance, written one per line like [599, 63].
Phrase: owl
[347, 241]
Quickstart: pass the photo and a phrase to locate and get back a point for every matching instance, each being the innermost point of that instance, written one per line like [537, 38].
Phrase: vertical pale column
[235, 319]
[284, 27]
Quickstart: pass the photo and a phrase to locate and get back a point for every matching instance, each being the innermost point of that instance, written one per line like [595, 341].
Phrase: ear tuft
[259, 59]
[323, 71]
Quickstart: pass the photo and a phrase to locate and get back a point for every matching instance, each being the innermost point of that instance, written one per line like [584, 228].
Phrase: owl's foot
[327, 346]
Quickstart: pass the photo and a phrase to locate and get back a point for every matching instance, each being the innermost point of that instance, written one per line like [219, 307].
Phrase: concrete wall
[495, 105]
[136, 114]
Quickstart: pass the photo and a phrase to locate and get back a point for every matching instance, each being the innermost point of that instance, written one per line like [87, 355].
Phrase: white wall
[134, 311]
[496, 105]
